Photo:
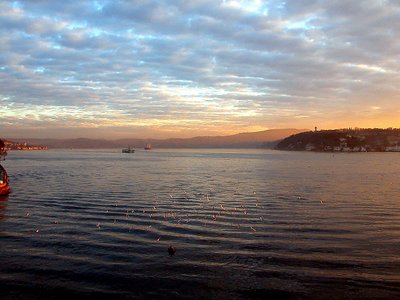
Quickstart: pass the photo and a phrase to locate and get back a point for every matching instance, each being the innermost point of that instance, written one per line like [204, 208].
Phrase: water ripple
[245, 223]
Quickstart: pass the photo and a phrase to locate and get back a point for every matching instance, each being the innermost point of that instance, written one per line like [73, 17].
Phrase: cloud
[182, 65]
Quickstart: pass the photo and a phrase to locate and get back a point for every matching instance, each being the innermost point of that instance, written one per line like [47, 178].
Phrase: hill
[344, 140]
[267, 138]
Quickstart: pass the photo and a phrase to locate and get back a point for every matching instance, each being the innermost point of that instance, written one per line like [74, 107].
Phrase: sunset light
[163, 68]
[200, 149]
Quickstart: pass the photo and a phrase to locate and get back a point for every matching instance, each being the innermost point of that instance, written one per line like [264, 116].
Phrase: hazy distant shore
[261, 139]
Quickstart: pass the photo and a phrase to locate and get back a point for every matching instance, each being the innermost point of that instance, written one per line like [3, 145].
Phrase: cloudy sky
[179, 68]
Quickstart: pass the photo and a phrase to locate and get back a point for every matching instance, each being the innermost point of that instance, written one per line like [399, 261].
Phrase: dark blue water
[247, 224]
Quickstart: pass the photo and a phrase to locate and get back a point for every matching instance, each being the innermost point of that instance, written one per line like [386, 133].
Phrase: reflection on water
[3, 206]
[245, 224]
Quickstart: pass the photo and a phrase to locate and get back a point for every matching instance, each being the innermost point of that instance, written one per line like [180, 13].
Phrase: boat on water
[128, 150]
[148, 147]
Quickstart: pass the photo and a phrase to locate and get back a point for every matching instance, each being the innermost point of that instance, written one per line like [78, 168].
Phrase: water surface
[245, 223]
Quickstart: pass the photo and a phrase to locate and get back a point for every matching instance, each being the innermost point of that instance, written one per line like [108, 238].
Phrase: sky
[180, 68]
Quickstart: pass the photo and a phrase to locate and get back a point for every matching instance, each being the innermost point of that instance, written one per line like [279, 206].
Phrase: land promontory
[344, 140]
[12, 145]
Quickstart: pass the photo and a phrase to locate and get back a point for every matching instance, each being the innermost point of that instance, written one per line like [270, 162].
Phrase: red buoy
[4, 187]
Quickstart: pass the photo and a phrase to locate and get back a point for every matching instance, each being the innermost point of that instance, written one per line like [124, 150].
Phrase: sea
[244, 224]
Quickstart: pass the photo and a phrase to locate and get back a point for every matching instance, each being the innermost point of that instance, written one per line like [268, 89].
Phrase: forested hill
[345, 140]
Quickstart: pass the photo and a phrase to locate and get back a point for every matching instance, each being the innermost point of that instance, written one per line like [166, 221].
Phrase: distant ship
[148, 147]
[128, 150]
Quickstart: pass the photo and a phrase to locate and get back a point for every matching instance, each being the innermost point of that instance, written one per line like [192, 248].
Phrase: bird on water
[171, 250]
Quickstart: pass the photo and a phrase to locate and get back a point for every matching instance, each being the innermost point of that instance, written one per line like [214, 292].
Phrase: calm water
[245, 223]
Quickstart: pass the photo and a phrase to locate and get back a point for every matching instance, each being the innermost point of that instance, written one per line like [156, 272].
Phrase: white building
[395, 148]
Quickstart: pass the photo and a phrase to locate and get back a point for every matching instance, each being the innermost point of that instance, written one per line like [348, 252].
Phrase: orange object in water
[4, 187]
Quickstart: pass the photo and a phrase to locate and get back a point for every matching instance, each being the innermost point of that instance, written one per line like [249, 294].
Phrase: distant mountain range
[266, 139]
